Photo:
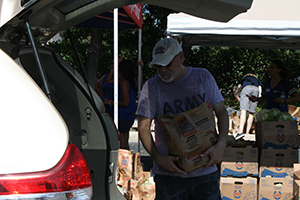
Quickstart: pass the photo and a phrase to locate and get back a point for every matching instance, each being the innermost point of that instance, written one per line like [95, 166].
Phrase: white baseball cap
[164, 51]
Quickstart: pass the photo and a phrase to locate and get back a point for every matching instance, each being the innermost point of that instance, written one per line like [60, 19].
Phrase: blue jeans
[199, 188]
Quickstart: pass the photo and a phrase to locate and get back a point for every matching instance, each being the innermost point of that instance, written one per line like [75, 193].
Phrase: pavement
[135, 144]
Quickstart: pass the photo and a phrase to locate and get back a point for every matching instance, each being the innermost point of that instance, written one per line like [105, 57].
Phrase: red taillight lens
[71, 173]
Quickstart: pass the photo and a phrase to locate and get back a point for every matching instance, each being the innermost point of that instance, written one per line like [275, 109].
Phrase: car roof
[51, 16]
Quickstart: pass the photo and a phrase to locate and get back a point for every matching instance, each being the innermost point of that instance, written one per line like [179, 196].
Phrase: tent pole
[116, 67]
[139, 76]
[140, 67]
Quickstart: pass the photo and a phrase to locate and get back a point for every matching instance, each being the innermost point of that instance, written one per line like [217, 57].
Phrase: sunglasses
[167, 66]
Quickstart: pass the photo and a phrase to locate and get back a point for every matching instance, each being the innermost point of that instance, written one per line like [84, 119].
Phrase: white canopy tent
[267, 24]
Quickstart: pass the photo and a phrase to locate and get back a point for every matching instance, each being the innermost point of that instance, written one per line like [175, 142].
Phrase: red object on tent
[129, 17]
[135, 12]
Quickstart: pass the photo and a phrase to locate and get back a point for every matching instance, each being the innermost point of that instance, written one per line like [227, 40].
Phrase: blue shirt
[282, 90]
[250, 79]
[125, 112]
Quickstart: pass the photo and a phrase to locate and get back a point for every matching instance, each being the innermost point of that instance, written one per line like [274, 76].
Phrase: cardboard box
[278, 157]
[296, 182]
[279, 134]
[239, 169]
[276, 188]
[189, 134]
[234, 122]
[296, 189]
[245, 154]
[238, 188]
[296, 171]
[240, 161]
[275, 172]
[295, 112]
[277, 162]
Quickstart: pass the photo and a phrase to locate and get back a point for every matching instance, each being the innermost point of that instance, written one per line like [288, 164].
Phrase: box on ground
[276, 188]
[240, 161]
[278, 157]
[238, 188]
[278, 134]
[133, 182]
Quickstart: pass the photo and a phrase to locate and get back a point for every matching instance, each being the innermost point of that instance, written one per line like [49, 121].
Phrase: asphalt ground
[135, 145]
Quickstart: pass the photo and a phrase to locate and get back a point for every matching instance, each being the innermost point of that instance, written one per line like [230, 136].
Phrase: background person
[249, 85]
[177, 89]
[127, 90]
[278, 91]
[98, 84]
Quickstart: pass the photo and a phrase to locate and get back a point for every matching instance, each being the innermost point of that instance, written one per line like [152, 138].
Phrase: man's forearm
[223, 124]
[223, 127]
[148, 143]
[146, 137]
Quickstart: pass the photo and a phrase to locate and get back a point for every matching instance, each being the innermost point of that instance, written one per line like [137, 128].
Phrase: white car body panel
[27, 145]
[8, 10]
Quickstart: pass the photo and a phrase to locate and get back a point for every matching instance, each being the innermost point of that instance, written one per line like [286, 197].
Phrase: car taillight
[68, 179]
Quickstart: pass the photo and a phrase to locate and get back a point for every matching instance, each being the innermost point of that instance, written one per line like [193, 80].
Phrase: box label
[239, 169]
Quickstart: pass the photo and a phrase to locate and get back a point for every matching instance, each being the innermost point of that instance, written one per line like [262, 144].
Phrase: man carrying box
[174, 90]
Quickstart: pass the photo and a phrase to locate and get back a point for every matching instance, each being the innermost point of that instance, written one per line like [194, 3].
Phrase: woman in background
[278, 92]
[127, 91]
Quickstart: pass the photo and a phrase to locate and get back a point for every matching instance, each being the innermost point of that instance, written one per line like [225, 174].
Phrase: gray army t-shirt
[159, 98]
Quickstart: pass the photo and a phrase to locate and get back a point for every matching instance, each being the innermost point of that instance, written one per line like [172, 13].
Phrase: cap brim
[162, 60]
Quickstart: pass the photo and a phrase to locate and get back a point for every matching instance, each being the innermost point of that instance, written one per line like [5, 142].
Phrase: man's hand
[168, 163]
[215, 154]
[148, 143]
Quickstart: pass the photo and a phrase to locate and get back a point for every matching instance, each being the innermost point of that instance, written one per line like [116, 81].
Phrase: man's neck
[183, 72]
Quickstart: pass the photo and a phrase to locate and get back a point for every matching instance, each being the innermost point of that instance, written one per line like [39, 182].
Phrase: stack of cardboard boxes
[239, 172]
[278, 144]
[264, 170]
[133, 182]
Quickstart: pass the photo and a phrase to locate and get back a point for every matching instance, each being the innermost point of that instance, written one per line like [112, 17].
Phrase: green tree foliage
[128, 42]
[64, 49]
[226, 64]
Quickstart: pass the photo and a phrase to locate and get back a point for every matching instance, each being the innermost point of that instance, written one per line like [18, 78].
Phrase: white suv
[57, 142]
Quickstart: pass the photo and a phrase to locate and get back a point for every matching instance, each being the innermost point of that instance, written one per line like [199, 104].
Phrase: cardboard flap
[272, 184]
[275, 172]
[245, 154]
